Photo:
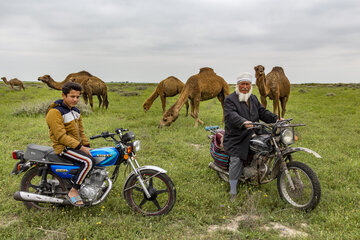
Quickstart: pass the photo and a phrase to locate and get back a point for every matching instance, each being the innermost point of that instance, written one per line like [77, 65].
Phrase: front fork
[284, 167]
[138, 175]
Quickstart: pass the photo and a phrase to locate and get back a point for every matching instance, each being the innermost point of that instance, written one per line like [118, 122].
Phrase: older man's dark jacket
[237, 137]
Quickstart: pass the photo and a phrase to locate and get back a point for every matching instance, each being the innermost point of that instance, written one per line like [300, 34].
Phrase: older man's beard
[243, 97]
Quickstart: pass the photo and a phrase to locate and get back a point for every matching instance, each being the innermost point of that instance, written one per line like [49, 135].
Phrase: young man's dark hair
[67, 87]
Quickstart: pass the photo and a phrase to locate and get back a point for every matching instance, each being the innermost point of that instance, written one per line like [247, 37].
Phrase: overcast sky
[149, 40]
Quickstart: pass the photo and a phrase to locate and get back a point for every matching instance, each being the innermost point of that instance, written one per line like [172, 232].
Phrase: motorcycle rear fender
[298, 149]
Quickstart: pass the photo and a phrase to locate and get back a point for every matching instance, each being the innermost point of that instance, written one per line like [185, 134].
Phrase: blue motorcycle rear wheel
[31, 182]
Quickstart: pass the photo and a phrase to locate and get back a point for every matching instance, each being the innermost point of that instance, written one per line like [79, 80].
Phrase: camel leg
[91, 102]
[85, 98]
[221, 98]
[187, 108]
[263, 101]
[192, 114]
[196, 113]
[276, 106]
[100, 101]
[283, 101]
[163, 102]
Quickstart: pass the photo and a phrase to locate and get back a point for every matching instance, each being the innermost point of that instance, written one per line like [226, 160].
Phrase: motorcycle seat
[44, 154]
[56, 159]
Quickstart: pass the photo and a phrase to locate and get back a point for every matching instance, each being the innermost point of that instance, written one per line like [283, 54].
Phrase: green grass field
[202, 209]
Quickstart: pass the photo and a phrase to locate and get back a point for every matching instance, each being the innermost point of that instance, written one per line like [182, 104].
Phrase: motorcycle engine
[251, 171]
[91, 188]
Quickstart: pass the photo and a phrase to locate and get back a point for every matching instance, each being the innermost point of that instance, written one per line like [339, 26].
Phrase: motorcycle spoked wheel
[31, 183]
[161, 188]
[307, 192]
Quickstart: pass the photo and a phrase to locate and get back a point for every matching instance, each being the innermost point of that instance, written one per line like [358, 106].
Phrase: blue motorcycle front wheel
[161, 189]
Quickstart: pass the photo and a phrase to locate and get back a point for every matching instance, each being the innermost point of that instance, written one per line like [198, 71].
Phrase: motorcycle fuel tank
[105, 156]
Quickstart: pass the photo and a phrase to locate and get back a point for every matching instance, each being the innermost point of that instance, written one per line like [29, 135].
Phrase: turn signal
[296, 138]
[128, 149]
[126, 157]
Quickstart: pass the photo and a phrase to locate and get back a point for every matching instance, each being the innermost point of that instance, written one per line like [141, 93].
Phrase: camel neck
[182, 99]
[261, 84]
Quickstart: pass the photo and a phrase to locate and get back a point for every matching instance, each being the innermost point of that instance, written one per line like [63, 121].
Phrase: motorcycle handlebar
[103, 135]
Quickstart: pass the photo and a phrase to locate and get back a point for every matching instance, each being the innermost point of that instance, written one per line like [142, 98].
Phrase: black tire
[307, 193]
[31, 182]
[161, 188]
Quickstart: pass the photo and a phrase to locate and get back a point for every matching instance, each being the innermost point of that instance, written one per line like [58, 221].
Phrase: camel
[274, 85]
[75, 77]
[94, 86]
[168, 87]
[14, 82]
[90, 83]
[200, 87]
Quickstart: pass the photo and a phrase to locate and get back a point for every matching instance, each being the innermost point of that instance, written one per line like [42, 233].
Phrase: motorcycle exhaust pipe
[216, 168]
[33, 197]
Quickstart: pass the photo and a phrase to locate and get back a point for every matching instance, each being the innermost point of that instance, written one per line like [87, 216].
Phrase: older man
[241, 108]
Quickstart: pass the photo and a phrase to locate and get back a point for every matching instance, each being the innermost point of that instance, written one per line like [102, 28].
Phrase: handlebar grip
[94, 137]
[103, 134]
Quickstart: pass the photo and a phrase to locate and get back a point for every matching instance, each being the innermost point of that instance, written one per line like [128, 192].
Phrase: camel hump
[206, 69]
[85, 73]
[277, 68]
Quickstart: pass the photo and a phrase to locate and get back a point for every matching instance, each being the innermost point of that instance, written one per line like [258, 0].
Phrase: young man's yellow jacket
[65, 127]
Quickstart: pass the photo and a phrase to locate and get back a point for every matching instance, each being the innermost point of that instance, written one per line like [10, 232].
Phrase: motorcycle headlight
[287, 137]
[136, 146]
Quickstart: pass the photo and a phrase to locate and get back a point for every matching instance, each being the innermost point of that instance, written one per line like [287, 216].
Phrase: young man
[241, 108]
[67, 135]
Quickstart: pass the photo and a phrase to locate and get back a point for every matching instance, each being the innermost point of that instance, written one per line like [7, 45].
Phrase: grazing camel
[75, 77]
[94, 86]
[168, 87]
[200, 87]
[80, 77]
[274, 85]
[14, 82]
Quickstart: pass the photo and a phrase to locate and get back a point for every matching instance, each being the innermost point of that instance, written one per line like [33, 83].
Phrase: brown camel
[168, 87]
[92, 83]
[200, 87]
[274, 85]
[14, 82]
[75, 77]
[94, 86]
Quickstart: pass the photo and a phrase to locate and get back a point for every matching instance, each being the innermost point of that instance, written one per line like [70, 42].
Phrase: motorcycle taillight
[17, 154]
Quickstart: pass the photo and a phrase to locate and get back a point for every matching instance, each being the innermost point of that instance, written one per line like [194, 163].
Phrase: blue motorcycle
[48, 178]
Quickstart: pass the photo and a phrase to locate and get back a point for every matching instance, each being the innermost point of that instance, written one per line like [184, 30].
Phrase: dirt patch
[5, 222]
[196, 146]
[247, 220]
[285, 231]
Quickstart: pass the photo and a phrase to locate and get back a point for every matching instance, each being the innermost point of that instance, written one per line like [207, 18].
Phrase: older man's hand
[248, 124]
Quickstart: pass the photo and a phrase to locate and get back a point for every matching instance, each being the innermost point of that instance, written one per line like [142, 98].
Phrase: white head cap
[244, 77]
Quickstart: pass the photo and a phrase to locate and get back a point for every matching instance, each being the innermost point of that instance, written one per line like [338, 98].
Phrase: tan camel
[274, 85]
[200, 87]
[91, 84]
[94, 86]
[168, 87]
[75, 77]
[14, 82]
